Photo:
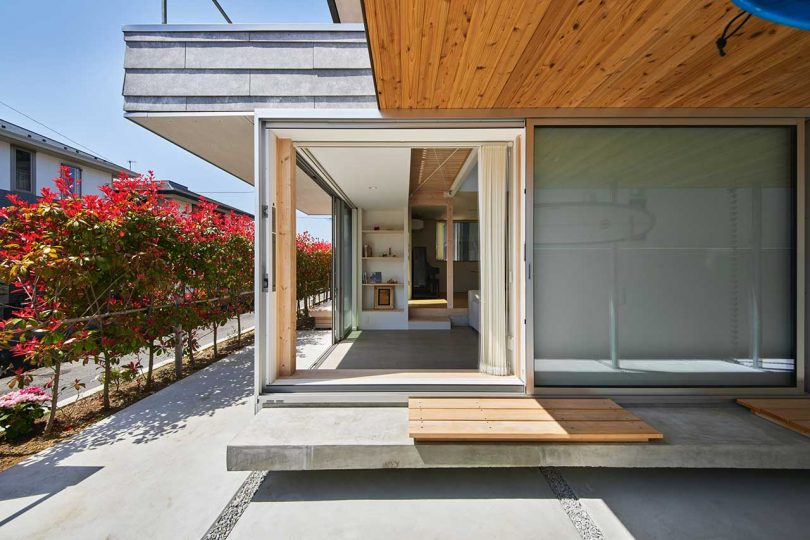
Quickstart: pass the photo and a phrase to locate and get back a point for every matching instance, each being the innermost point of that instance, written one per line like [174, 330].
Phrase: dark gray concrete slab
[677, 504]
[470, 504]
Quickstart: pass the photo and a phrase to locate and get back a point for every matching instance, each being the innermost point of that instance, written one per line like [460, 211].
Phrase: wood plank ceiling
[461, 54]
[434, 169]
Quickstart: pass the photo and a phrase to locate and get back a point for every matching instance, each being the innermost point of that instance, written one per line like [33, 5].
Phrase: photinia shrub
[105, 276]
[313, 267]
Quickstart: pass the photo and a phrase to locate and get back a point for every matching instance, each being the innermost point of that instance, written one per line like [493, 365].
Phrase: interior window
[465, 235]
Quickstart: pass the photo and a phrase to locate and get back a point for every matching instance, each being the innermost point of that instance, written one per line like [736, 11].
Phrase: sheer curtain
[492, 162]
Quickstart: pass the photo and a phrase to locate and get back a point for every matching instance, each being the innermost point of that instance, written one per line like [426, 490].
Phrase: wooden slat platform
[792, 413]
[525, 419]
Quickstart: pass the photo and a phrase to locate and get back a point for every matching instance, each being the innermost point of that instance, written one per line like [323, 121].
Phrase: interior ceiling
[310, 198]
[371, 177]
[460, 54]
[225, 141]
[435, 169]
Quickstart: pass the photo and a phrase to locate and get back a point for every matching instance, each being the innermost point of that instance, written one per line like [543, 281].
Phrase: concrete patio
[157, 470]
[707, 435]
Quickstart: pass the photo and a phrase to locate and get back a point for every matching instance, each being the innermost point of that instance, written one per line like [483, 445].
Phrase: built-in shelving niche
[384, 233]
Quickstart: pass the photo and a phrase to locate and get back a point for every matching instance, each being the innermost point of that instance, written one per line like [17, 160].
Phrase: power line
[54, 131]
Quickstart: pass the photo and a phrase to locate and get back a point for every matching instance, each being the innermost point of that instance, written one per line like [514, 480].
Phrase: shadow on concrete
[403, 484]
[670, 504]
[223, 384]
[59, 478]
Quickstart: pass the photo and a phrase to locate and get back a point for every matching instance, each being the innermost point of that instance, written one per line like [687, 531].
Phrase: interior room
[405, 279]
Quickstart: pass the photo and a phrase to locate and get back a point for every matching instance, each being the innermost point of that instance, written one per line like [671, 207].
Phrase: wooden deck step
[525, 419]
[792, 413]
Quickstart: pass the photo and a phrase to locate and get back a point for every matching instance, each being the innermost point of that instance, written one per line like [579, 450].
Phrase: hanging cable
[722, 41]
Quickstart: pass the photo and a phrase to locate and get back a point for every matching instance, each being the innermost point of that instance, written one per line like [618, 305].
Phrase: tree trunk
[238, 329]
[151, 365]
[57, 369]
[178, 352]
[107, 375]
[215, 341]
[190, 334]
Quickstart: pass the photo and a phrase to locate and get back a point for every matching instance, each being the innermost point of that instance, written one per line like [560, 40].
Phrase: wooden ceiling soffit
[433, 170]
[483, 54]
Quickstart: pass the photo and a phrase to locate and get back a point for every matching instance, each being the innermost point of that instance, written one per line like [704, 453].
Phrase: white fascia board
[261, 27]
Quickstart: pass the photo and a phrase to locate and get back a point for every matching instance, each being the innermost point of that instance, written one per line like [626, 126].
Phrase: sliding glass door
[343, 270]
[664, 256]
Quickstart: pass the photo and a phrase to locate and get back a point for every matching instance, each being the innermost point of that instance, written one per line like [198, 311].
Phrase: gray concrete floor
[406, 349]
[153, 470]
[470, 504]
[309, 346]
[87, 373]
[427, 504]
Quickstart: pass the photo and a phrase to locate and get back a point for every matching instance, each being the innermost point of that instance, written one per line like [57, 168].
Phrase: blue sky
[61, 63]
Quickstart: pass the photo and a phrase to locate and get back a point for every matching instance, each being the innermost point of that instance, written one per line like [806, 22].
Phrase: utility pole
[131, 161]
[165, 18]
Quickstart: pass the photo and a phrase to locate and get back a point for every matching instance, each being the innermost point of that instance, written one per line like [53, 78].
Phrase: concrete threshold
[362, 437]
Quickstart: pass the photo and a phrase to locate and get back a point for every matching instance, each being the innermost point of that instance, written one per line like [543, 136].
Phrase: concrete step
[314, 437]
[429, 323]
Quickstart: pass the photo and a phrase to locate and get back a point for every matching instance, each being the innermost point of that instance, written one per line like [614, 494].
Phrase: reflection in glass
[664, 256]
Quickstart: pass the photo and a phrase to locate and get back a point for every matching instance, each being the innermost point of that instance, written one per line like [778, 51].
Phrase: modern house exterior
[639, 202]
[30, 161]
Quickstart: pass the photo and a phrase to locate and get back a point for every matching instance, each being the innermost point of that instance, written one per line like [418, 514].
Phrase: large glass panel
[664, 256]
[346, 271]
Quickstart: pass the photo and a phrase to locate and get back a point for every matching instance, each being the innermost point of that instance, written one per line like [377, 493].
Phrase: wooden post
[285, 257]
[451, 253]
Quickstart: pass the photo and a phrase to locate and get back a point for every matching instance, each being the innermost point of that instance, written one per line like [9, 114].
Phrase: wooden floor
[525, 419]
[792, 413]
[459, 301]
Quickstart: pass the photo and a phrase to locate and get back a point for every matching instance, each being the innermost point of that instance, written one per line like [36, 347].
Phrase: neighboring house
[184, 196]
[30, 161]
[626, 207]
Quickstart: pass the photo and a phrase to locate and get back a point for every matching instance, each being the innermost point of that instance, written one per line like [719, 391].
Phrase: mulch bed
[73, 418]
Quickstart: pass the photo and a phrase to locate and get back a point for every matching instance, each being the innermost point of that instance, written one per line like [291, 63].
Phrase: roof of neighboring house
[174, 189]
[35, 141]
[27, 197]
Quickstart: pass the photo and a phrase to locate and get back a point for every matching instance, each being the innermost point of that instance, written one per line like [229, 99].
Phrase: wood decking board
[792, 413]
[525, 419]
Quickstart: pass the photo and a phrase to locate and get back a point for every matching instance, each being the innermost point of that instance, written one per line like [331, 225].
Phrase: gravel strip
[227, 519]
[577, 513]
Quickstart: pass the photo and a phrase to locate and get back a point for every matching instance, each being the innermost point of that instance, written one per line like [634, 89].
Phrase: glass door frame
[800, 236]
[340, 210]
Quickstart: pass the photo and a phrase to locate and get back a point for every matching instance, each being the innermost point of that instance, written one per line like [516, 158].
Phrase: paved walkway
[87, 373]
[155, 470]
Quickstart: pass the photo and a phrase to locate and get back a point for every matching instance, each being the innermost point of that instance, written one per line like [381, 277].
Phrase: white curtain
[492, 178]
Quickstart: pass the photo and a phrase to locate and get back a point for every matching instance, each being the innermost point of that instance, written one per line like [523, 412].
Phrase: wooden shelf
[397, 310]
[389, 284]
[396, 258]
[385, 231]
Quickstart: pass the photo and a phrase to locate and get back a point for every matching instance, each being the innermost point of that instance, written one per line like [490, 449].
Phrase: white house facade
[30, 161]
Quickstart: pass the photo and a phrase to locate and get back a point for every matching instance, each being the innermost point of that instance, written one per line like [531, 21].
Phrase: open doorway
[409, 277]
